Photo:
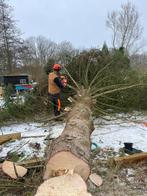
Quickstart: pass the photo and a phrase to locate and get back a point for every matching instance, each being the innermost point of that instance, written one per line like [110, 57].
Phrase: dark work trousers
[56, 102]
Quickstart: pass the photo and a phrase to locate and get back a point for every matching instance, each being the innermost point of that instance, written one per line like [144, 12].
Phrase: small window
[23, 81]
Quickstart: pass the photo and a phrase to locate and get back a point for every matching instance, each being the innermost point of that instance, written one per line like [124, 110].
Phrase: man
[55, 84]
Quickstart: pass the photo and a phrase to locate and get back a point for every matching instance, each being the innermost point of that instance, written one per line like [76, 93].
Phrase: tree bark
[71, 150]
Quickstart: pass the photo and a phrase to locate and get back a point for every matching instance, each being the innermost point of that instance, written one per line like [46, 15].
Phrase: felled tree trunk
[71, 150]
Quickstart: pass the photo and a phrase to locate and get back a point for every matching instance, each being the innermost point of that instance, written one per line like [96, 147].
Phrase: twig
[96, 76]
[107, 88]
[110, 98]
[72, 87]
[109, 105]
[15, 170]
[33, 136]
[100, 110]
[76, 84]
[115, 90]
[95, 86]
[86, 74]
[20, 147]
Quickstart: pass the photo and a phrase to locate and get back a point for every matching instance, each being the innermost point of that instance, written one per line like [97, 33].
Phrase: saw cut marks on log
[130, 159]
[65, 185]
[67, 161]
[9, 137]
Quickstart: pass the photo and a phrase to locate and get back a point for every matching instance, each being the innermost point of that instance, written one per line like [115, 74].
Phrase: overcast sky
[82, 22]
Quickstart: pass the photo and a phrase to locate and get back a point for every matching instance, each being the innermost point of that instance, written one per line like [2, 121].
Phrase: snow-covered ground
[120, 129]
[1, 102]
[113, 133]
[27, 130]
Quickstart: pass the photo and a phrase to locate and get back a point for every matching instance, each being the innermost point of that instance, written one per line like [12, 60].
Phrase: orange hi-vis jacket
[52, 87]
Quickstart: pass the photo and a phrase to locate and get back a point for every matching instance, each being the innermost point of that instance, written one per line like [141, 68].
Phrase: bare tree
[45, 49]
[125, 26]
[10, 41]
[139, 61]
[40, 49]
[65, 52]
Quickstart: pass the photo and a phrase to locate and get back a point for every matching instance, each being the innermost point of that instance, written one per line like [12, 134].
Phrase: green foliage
[96, 70]
[14, 156]
[142, 103]
[21, 107]
[102, 70]
[85, 66]
[105, 49]
[49, 66]
[4, 116]
[8, 91]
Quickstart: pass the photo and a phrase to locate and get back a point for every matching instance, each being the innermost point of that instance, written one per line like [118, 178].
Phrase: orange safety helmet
[56, 67]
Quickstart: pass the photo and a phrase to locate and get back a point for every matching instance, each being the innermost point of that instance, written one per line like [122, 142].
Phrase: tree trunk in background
[71, 150]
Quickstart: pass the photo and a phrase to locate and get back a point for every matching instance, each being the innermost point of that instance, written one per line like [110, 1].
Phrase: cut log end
[13, 170]
[68, 185]
[64, 161]
[96, 179]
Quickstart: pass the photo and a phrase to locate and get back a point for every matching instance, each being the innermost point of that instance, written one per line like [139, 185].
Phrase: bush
[22, 107]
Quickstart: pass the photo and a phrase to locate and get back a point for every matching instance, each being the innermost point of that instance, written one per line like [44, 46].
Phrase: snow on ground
[1, 102]
[28, 130]
[120, 129]
[113, 133]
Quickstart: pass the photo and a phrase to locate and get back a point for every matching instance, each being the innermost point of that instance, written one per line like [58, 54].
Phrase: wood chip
[67, 109]
[96, 179]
